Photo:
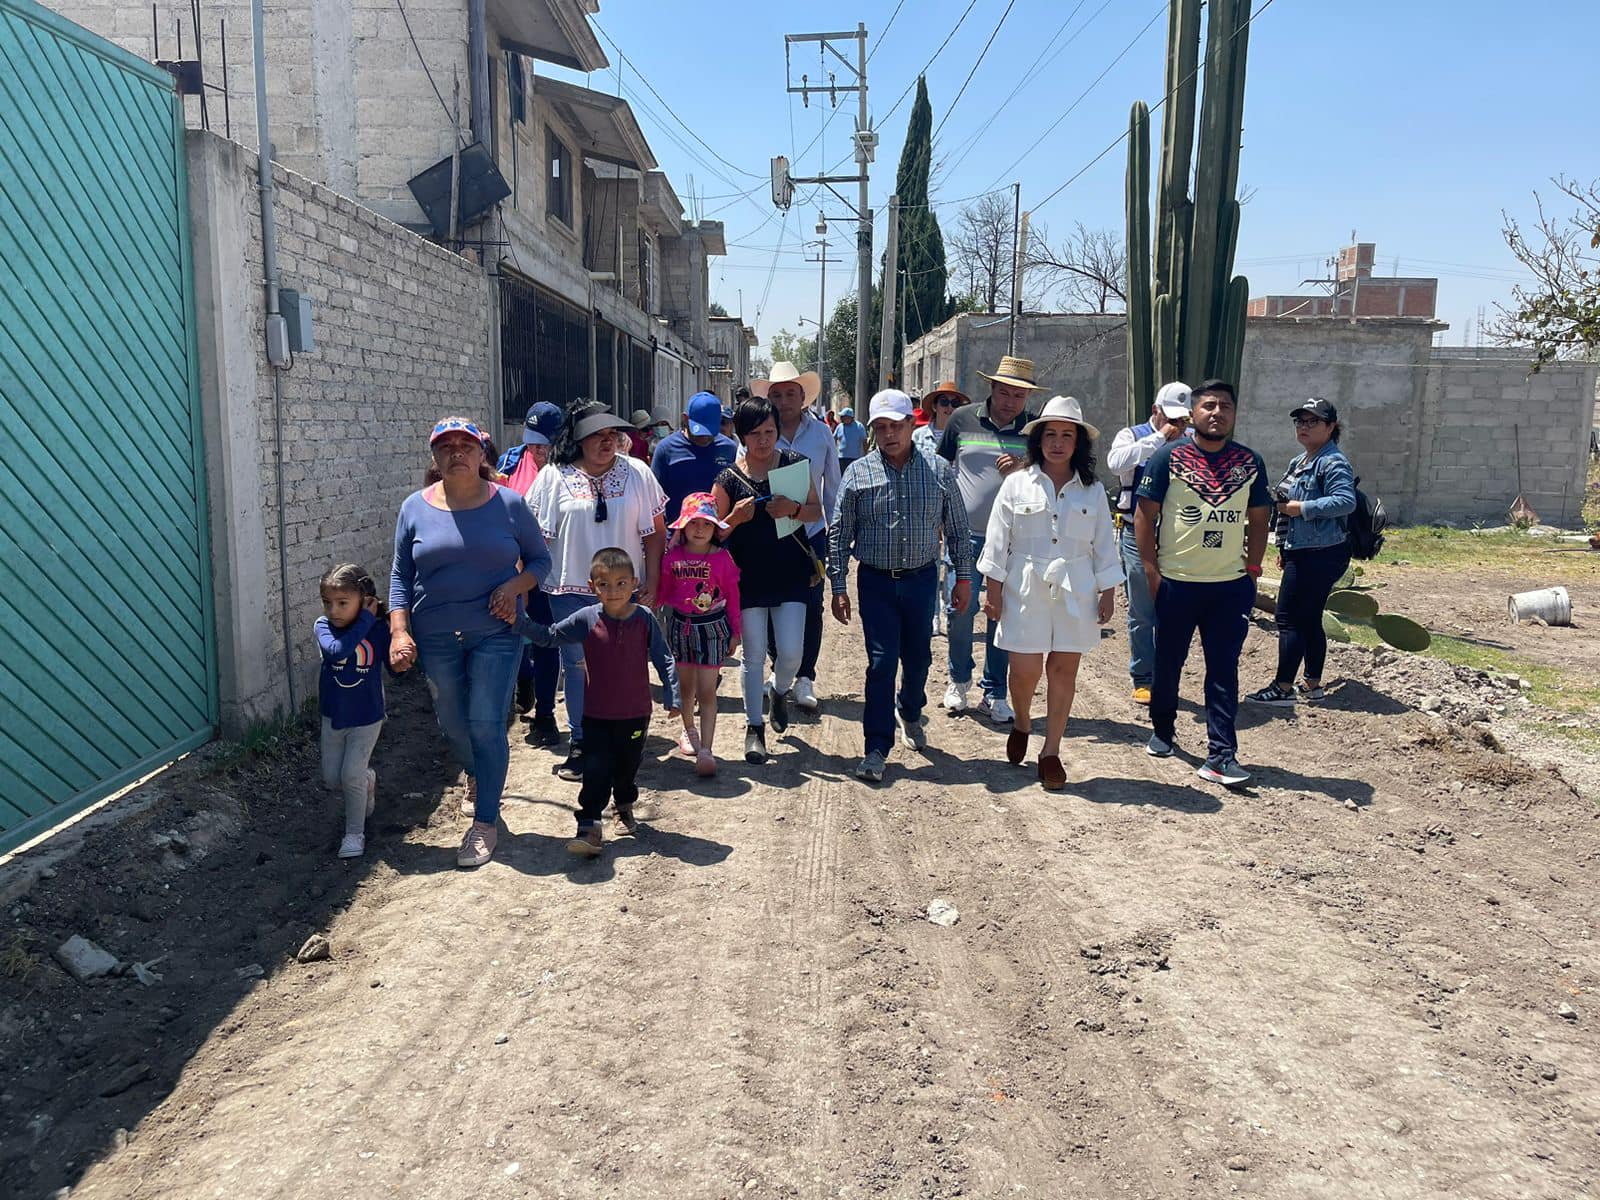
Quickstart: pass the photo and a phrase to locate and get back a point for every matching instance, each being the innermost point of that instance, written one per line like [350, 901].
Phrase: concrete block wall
[349, 99]
[403, 333]
[1482, 411]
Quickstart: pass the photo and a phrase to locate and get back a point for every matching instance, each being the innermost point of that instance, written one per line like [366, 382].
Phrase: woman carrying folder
[775, 571]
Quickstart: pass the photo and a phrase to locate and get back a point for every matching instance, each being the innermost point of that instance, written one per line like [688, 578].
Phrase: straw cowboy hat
[784, 372]
[1014, 372]
[1061, 408]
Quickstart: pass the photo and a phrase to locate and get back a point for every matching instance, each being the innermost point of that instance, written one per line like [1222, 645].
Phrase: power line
[963, 90]
[885, 32]
[896, 105]
[1083, 94]
[447, 110]
[970, 142]
[767, 291]
[668, 107]
[1122, 137]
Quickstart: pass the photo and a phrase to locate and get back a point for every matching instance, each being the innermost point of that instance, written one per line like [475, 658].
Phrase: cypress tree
[921, 263]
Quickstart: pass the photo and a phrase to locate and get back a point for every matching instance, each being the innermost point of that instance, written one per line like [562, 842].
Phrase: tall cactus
[1186, 308]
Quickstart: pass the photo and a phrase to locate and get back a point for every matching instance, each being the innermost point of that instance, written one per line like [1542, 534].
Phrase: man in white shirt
[1130, 450]
[792, 393]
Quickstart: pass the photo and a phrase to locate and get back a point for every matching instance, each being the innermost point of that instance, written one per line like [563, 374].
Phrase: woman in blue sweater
[1314, 497]
[466, 551]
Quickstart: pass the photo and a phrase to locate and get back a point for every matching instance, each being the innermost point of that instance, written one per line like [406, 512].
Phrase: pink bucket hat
[699, 506]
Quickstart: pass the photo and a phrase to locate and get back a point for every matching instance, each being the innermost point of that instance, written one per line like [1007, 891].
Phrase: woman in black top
[775, 573]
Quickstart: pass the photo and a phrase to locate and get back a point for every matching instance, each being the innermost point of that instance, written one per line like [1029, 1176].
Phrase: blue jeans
[472, 677]
[1141, 611]
[562, 607]
[897, 623]
[1221, 612]
[995, 660]
[541, 664]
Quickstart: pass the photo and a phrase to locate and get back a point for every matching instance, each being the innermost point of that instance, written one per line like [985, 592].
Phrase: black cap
[1318, 408]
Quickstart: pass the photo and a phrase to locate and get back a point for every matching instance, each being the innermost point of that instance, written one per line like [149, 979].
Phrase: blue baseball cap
[542, 425]
[705, 415]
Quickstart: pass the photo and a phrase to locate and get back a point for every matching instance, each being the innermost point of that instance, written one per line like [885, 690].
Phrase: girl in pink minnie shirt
[700, 593]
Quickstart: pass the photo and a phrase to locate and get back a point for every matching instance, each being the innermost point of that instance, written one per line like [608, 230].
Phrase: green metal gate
[107, 658]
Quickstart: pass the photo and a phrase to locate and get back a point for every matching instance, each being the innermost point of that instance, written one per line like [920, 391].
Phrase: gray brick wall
[403, 338]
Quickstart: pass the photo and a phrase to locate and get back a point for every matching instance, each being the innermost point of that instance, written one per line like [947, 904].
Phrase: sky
[1413, 123]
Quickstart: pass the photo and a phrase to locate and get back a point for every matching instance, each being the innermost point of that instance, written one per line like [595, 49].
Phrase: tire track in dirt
[1290, 967]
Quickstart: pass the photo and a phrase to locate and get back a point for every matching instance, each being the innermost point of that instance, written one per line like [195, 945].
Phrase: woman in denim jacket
[1314, 497]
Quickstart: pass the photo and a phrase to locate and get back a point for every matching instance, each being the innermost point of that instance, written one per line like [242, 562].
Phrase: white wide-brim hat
[1061, 408]
[785, 372]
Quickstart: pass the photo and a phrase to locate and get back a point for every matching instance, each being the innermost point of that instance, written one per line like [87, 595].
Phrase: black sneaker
[1274, 695]
[542, 731]
[779, 714]
[571, 768]
[755, 744]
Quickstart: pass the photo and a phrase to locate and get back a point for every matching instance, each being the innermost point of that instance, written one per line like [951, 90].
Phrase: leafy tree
[717, 310]
[1558, 314]
[841, 344]
[788, 346]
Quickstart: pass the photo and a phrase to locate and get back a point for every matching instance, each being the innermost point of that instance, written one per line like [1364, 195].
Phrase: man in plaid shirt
[893, 505]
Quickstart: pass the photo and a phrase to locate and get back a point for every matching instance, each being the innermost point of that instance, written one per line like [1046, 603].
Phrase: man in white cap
[985, 443]
[1130, 450]
[792, 393]
[893, 505]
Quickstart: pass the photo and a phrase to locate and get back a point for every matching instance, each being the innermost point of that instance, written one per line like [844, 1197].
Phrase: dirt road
[1344, 981]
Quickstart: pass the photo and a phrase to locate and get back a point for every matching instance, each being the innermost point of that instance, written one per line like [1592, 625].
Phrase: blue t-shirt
[447, 563]
[682, 468]
[852, 439]
[350, 686]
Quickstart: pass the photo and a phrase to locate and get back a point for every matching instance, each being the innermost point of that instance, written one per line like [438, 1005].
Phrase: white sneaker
[469, 798]
[1000, 712]
[805, 694]
[353, 845]
[955, 697]
[914, 733]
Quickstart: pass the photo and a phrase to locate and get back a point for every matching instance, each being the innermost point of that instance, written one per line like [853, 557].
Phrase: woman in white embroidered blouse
[588, 498]
[1051, 564]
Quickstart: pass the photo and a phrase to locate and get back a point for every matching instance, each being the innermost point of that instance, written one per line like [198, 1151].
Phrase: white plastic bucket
[1550, 605]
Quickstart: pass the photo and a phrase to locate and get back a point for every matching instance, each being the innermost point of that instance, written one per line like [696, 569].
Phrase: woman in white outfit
[1052, 569]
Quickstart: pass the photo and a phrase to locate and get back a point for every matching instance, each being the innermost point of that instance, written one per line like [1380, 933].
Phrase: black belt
[900, 572]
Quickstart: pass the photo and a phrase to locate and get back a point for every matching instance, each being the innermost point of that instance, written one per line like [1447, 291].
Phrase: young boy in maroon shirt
[619, 640]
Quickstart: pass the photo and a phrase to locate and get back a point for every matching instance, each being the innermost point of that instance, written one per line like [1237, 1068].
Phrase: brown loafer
[1016, 746]
[1052, 775]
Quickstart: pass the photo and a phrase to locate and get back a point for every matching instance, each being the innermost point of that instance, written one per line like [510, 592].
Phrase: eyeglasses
[1303, 421]
[600, 514]
[943, 403]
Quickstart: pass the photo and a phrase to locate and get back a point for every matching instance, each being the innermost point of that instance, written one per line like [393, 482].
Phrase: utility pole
[822, 305]
[866, 144]
[891, 279]
[1019, 268]
[1016, 245]
[864, 237]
